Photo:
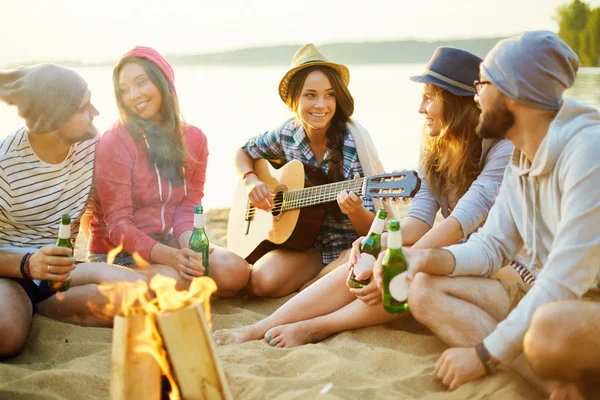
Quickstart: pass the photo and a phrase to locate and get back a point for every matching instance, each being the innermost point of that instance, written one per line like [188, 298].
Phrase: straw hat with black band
[309, 56]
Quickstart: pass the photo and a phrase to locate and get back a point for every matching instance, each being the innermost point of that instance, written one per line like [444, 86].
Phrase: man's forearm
[9, 264]
[439, 262]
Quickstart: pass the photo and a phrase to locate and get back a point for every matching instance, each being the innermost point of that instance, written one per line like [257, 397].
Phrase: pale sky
[102, 30]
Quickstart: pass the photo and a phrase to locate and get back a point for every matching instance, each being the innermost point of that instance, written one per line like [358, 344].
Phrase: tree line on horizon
[579, 27]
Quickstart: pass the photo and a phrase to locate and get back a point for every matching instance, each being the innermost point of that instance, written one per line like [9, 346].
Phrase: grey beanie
[46, 95]
[533, 69]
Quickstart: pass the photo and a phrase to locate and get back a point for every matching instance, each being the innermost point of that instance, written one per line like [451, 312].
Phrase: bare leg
[460, 311]
[84, 303]
[305, 305]
[281, 272]
[15, 319]
[574, 342]
[341, 260]
[352, 316]
[230, 271]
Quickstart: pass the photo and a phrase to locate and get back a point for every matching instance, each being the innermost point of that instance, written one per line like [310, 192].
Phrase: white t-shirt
[34, 194]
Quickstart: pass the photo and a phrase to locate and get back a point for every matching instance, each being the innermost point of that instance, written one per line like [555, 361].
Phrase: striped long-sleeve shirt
[34, 194]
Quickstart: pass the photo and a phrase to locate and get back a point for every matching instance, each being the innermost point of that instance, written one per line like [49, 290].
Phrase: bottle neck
[377, 226]
[394, 239]
[64, 232]
[198, 221]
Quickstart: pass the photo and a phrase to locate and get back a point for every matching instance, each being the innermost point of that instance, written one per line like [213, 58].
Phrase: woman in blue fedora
[461, 175]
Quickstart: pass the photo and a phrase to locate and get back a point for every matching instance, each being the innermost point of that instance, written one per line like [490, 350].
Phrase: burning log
[167, 334]
[192, 353]
[135, 374]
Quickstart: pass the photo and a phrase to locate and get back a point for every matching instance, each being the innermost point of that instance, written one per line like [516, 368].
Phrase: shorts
[35, 293]
[517, 290]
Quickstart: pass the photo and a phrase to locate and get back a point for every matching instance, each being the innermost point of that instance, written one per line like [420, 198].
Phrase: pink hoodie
[133, 206]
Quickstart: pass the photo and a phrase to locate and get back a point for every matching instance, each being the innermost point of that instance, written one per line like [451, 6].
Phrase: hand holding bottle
[355, 249]
[51, 263]
[370, 294]
[416, 259]
[189, 263]
[355, 252]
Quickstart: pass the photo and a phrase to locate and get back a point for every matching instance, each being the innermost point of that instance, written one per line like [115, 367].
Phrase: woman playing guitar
[316, 90]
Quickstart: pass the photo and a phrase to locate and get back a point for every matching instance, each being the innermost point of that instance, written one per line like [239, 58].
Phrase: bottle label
[198, 220]
[394, 240]
[64, 232]
[377, 226]
[399, 287]
[364, 264]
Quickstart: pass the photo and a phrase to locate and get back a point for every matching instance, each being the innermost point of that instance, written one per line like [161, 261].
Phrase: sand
[393, 361]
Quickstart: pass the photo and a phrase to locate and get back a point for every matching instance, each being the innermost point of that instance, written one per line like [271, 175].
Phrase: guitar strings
[324, 192]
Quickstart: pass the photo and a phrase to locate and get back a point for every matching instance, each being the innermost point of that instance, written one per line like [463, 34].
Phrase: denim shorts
[123, 258]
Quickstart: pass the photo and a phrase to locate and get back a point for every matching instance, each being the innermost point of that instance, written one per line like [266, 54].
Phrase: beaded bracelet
[22, 265]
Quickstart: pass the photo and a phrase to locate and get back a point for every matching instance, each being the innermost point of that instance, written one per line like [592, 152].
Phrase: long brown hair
[165, 141]
[334, 138]
[450, 161]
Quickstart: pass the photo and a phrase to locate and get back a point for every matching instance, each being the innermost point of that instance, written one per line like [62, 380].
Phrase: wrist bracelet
[22, 265]
[485, 358]
[27, 270]
[248, 173]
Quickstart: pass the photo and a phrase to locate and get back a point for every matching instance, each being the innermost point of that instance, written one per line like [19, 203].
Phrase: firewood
[192, 354]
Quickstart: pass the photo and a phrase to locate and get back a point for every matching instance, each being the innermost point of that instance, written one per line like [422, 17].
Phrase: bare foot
[293, 335]
[567, 391]
[244, 334]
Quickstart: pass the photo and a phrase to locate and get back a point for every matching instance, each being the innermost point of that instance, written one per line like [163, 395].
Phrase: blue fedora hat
[452, 69]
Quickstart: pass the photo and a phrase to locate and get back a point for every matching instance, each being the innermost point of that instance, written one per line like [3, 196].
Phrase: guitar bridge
[250, 209]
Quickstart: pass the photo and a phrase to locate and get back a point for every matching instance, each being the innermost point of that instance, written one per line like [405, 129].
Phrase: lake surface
[231, 104]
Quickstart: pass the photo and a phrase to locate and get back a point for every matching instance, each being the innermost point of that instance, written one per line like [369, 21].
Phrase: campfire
[162, 339]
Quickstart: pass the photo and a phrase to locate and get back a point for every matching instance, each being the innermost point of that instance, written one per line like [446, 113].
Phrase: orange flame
[155, 298]
[112, 254]
[139, 260]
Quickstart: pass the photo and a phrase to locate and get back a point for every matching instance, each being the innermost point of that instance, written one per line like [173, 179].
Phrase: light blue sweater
[473, 207]
[551, 208]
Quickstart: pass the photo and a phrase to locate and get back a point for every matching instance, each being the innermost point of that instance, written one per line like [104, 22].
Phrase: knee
[231, 273]
[547, 352]
[263, 283]
[13, 339]
[421, 296]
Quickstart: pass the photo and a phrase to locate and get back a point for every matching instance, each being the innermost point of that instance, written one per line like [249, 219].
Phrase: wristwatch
[486, 358]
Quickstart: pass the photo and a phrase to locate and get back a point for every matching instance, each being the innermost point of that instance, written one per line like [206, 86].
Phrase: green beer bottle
[395, 287]
[369, 251]
[199, 240]
[64, 240]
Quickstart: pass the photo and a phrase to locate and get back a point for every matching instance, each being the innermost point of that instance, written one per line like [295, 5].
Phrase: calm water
[231, 104]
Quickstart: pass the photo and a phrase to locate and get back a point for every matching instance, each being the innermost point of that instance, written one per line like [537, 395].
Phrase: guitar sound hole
[278, 200]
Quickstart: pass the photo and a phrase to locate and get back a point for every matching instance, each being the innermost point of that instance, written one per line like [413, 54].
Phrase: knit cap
[46, 95]
[534, 68]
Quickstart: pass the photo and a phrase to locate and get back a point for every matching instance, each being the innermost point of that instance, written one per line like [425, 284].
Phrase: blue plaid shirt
[288, 142]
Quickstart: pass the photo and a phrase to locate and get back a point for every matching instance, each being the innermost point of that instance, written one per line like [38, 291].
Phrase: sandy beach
[392, 361]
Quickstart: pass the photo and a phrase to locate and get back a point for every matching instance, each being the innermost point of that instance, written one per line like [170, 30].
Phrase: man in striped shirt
[46, 170]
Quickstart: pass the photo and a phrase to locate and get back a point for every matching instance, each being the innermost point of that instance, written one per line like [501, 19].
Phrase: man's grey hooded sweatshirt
[551, 207]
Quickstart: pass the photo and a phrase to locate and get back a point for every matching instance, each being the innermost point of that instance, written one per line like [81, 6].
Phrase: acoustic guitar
[295, 221]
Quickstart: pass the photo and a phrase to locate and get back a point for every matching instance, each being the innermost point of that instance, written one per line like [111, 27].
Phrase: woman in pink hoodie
[150, 170]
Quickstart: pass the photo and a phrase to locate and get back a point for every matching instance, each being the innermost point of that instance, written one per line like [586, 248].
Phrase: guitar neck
[321, 194]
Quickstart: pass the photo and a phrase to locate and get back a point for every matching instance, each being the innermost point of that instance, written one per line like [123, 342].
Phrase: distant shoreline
[383, 52]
